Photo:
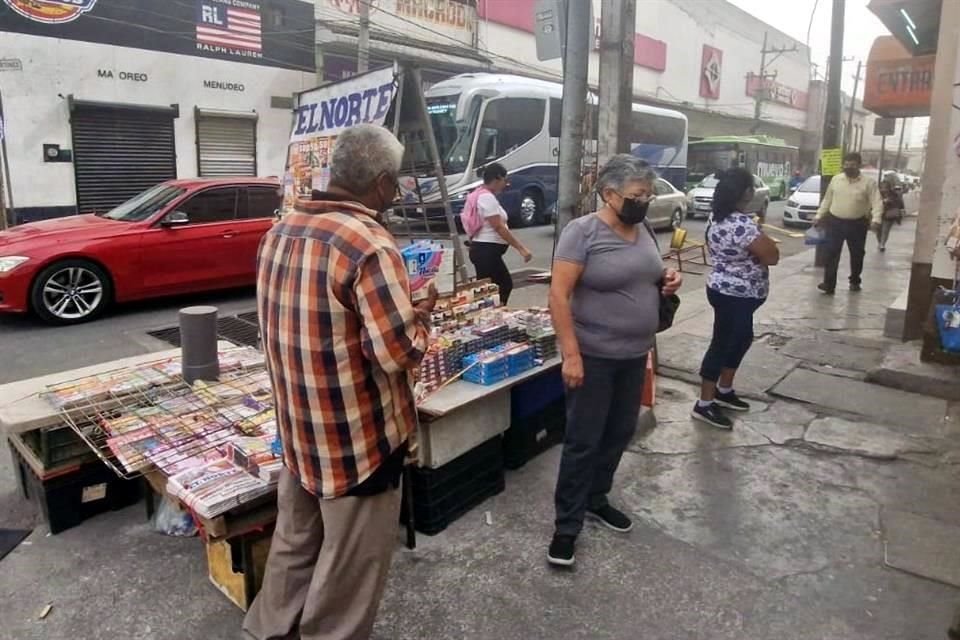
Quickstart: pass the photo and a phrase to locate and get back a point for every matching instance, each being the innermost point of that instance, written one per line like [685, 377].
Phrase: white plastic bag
[814, 236]
[171, 520]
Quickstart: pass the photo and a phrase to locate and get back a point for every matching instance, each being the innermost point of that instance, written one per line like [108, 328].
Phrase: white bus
[483, 118]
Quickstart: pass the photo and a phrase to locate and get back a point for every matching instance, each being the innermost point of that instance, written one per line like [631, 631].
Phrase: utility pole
[761, 90]
[903, 129]
[363, 38]
[831, 120]
[579, 31]
[848, 143]
[883, 151]
[616, 77]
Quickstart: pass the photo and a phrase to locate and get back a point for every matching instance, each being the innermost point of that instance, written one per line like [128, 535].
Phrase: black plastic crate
[536, 394]
[530, 436]
[85, 491]
[442, 495]
[57, 446]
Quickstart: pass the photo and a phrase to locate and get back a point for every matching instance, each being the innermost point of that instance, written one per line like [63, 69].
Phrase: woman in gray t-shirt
[604, 298]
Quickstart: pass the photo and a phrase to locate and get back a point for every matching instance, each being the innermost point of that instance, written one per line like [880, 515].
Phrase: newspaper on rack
[215, 487]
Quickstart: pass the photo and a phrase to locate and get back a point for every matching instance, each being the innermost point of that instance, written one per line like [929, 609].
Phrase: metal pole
[616, 77]
[831, 120]
[576, 56]
[5, 183]
[363, 38]
[198, 339]
[883, 149]
[903, 129]
[848, 144]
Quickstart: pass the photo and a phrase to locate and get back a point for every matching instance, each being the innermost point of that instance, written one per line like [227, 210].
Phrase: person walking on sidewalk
[490, 243]
[607, 279]
[340, 335]
[737, 286]
[850, 207]
[893, 211]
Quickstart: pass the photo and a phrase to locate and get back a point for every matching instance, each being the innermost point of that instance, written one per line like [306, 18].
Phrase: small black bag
[668, 304]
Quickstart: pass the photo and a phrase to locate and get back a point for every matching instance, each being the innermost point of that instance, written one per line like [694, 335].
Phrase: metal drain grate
[251, 316]
[232, 329]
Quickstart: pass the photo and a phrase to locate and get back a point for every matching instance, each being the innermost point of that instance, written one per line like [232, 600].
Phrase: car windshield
[811, 184]
[144, 205]
[710, 182]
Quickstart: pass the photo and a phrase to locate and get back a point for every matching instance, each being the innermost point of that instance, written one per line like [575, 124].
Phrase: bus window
[649, 128]
[508, 123]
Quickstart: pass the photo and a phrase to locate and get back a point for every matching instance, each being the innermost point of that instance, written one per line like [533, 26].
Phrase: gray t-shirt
[616, 302]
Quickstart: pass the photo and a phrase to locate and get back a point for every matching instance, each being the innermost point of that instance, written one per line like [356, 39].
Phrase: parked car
[700, 198]
[666, 209]
[803, 203]
[181, 236]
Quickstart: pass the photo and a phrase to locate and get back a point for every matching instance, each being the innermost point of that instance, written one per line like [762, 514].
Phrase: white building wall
[685, 25]
[36, 110]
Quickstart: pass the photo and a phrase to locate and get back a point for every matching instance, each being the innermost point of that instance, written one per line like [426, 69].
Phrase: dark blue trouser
[601, 418]
[732, 333]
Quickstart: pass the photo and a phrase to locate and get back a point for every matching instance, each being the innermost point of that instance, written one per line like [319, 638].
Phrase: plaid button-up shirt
[340, 334]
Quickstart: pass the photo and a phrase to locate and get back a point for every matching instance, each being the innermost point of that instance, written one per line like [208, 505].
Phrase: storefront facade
[115, 96]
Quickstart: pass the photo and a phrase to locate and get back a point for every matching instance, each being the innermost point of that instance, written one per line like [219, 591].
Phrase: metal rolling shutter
[226, 143]
[118, 151]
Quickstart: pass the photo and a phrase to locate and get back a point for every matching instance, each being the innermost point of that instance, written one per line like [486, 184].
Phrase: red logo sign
[711, 70]
[51, 11]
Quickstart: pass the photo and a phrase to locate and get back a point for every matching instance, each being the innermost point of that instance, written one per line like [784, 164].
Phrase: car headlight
[459, 196]
[792, 203]
[9, 263]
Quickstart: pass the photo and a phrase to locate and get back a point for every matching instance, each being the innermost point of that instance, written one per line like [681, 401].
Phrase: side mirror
[175, 219]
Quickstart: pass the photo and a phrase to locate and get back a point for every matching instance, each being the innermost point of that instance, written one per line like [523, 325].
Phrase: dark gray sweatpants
[601, 419]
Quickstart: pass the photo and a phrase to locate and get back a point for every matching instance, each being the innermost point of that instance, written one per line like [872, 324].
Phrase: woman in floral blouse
[738, 284]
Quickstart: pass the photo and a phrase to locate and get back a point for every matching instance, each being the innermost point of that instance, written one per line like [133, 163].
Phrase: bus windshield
[454, 137]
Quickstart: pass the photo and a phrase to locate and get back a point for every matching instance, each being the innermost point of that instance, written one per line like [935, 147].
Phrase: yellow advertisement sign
[831, 161]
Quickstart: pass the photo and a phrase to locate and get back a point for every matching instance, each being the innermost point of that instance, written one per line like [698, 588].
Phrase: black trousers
[732, 333]
[852, 232]
[601, 419]
[487, 259]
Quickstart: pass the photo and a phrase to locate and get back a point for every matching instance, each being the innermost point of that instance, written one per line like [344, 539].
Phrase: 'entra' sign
[897, 85]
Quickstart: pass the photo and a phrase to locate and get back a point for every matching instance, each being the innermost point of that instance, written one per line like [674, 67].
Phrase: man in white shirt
[489, 244]
[850, 207]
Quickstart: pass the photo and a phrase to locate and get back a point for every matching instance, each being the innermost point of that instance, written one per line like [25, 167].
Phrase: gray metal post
[831, 121]
[363, 38]
[616, 77]
[198, 340]
[576, 56]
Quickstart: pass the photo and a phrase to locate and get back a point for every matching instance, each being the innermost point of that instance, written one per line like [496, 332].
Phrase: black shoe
[823, 287]
[882, 248]
[855, 288]
[561, 550]
[611, 518]
[731, 401]
[712, 415]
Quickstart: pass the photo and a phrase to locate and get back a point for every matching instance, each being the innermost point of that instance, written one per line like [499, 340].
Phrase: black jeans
[732, 333]
[854, 233]
[601, 419]
[487, 259]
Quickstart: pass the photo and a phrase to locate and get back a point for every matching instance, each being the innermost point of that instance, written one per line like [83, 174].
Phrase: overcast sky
[793, 17]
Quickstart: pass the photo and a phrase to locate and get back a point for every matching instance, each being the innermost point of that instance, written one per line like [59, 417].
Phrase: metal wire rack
[145, 418]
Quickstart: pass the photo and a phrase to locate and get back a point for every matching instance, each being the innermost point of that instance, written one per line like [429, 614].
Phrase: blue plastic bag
[948, 324]
[814, 236]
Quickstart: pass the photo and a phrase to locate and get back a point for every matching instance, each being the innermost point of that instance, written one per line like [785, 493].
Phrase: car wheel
[531, 208]
[71, 292]
[676, 220]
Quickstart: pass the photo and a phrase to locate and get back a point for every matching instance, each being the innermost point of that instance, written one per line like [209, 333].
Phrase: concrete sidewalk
[829, 512]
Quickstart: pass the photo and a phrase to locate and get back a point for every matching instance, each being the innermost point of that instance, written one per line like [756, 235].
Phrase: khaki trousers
[327, 566]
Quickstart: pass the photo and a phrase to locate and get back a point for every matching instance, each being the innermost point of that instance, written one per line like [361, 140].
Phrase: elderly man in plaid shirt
[340, 334]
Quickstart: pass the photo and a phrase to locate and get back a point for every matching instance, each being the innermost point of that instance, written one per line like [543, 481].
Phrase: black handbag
[668, 304]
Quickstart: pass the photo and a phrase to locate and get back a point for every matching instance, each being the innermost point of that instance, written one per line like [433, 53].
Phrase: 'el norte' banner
[323, 114]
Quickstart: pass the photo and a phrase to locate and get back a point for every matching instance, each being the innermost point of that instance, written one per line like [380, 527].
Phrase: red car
[181, 236]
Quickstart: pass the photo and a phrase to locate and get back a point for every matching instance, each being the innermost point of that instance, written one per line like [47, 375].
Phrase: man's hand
[820, 223]
[672, 281]
[572, 372]
[425, 307]
[875, 226]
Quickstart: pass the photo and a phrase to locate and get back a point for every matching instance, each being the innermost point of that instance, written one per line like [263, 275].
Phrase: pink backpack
[470, 217]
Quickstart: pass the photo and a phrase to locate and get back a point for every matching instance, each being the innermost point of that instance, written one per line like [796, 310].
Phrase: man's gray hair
[622, 169]
[362, 154]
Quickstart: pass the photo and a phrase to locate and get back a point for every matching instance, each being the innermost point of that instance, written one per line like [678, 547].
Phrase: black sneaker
[561, 550]
[712, 415]
[856, 287]
[611, 518]
[827, 290]
[731, 401]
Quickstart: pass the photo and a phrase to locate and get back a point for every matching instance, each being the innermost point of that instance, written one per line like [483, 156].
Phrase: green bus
[770, 158]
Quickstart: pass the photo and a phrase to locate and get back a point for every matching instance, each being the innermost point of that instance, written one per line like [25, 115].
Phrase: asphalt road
[29, 349]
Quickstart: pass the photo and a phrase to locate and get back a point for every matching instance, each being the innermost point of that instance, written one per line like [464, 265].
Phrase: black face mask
[633, 211]
[851, 173]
